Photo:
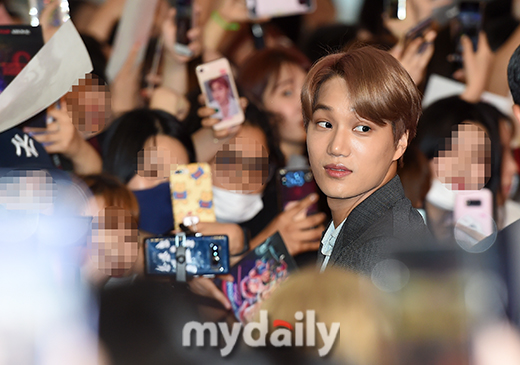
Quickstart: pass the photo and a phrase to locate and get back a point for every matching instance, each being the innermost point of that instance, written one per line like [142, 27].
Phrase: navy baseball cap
[19, 151]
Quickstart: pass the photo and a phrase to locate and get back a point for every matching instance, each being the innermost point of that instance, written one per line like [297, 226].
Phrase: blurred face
[88, 105]
[509, 166]
[113, 247]
[466, 162]
[282, 97]
[242, 165]
[161, 155]
[220, 92]
[350, 157]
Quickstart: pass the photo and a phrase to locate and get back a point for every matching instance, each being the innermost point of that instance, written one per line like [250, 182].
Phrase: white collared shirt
[328, 242]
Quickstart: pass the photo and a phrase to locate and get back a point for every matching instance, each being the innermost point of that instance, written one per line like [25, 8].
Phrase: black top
[383, 219]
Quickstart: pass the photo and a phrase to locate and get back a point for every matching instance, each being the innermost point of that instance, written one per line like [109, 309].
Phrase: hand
[233, 11]
[416, 55]
[46, 17]
[206, 112]
[60, 136]
[169, 31]
[233, 231]
[416, 11]
[301, 233]
[125, 87]
[207, 288]
[166, 99]
[477, 67]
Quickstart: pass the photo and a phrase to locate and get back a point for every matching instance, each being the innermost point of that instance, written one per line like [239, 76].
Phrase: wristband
[224, 24]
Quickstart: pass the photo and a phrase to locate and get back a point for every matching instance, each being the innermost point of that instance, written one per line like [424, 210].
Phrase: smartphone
[473, 216]
[419, 30]
[192, 194]
[396, 9]
[295, 185]
[220, 92]
[183, 21]
[205, 255]
[469, 23]
[277, 8]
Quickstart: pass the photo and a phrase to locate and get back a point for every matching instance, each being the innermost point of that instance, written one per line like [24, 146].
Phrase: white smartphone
[277, 8]
[473, 216]
[217, 83]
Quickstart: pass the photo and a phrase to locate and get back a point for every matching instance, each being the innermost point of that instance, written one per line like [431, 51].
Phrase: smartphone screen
[296, 185]
[205, 255]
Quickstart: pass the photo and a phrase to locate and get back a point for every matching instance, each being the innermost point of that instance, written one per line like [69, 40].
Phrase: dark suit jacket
[384, 219]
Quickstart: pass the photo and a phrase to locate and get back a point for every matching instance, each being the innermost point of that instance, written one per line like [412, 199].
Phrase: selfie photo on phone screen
[217, 83]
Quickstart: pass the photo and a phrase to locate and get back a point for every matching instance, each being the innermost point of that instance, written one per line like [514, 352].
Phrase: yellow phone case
[192, 194]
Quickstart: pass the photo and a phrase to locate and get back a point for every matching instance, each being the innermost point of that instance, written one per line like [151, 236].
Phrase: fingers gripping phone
[204, 255]
[220, 92]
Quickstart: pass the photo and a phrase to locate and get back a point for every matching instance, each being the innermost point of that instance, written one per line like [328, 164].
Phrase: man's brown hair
[379, 88]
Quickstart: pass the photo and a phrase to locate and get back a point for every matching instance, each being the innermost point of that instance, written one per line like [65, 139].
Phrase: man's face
[350, 157]
[220, 92]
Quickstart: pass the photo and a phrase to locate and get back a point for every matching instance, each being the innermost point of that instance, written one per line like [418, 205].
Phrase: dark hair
[439, 119]
[380, 89]
[328, 39]
[415, 175]
[513, 75]
[127, 135]
[219, 80]
[253, 80]
[261, 119]
[98, 58]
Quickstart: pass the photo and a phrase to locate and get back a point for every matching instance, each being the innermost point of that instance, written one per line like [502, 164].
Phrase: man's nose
[340, 144]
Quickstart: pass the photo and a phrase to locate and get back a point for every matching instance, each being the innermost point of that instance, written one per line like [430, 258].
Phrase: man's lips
[337, 171]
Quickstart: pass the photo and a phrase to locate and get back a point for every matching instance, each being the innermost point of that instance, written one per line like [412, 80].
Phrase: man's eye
[362, 128]
[327, 125]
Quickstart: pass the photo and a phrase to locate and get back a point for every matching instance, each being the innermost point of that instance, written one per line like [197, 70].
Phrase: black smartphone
[205, 255]
[183, 20]
[469, 23]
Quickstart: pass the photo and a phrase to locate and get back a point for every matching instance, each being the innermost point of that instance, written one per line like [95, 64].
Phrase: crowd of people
[393, 250]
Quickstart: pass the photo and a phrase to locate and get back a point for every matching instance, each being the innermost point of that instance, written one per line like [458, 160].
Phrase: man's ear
[402, 144]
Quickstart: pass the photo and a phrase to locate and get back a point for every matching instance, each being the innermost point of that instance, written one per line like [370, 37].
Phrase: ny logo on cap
[26, 143]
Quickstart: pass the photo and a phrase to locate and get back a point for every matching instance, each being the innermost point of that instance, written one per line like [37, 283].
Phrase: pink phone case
[474, 209]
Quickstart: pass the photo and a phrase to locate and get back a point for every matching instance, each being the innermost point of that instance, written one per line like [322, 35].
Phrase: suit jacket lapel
[364, 216]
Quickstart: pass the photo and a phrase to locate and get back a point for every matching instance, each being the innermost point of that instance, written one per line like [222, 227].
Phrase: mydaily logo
[282, 336]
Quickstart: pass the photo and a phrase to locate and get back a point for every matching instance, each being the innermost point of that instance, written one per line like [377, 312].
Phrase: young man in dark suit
[361, 110]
